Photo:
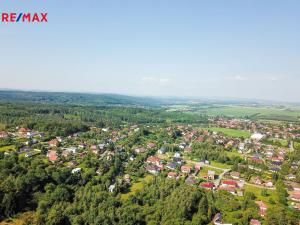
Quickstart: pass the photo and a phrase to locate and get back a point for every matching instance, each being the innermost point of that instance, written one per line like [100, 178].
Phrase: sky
[227, 48]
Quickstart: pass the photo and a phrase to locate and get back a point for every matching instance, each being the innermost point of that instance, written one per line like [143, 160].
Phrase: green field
[204, 170]
[220, 165]
[278, 142]
[230, 132]
[262, 113]
[138, 185]
[257, 192]
[7, 148]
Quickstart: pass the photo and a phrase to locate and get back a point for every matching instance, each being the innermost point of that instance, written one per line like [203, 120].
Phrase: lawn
[220, 165]
[138, 185]
[233, 154]
[204, 170]
[230, 132]
[7, 148]
[257, 192]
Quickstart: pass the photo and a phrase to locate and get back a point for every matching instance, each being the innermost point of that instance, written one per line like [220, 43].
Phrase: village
[255, 154]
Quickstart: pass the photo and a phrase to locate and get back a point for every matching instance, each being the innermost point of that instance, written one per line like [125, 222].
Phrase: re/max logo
[23, 17]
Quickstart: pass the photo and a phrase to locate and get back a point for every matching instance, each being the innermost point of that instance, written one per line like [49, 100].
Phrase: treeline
[65, 120]
[59, 197]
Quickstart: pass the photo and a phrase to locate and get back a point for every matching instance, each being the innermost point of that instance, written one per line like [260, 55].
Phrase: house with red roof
[198, 165]
[172, 175]
[52, 156]
[255, 222]
[262, 208]
[230, 183]
[3, 134]
[295, 196]
[53, 143]
[151, 145]
[23, 131]
[186, 169]
[207, 185]
[153, 160]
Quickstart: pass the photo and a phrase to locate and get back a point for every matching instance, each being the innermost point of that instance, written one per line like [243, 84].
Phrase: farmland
[261, 113]
[230, 132]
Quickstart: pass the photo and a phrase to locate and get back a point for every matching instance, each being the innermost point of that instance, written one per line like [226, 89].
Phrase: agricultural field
[230, 132]
[256, 113]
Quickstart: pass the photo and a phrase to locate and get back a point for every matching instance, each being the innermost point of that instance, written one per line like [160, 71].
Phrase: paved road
[260, 186]
[220, 177]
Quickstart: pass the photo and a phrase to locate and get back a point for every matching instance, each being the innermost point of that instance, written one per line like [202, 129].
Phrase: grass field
[137, 186]
[220, 165]
[233, 154]
[7, 148]
[257, 192]
[230, 132]
[204, 170]
[263, 113]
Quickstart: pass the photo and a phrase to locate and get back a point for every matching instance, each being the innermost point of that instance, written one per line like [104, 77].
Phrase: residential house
[207, 185]
[211, 174]
[126, 178]
[254, 222]
[3, 134]
[172, 175]
[53, 143]
[295, 196]
[151, 145]
[171, 166]
[198, 166]
[140, 150]
[52, 155]
[177, 155]
[229, 183]
[186, 169]
[76, 170]
[153, 169]
[23, 131]
[235, 175]
[162, 150]
[257, 180]
[111, 188]
[262, 208]
[190, 180]
[269, 184]
[153, 160]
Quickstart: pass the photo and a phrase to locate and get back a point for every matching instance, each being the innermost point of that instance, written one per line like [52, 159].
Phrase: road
[220, 177]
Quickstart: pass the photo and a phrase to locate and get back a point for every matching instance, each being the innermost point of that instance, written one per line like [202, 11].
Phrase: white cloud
[155, 80]
[252, 78]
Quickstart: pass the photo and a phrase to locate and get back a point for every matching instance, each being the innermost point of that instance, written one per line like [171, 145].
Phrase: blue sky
[227, 48]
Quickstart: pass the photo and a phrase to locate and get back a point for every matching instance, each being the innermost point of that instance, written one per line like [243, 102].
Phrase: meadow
[136, 186]
[254, 112]
[230, 132]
